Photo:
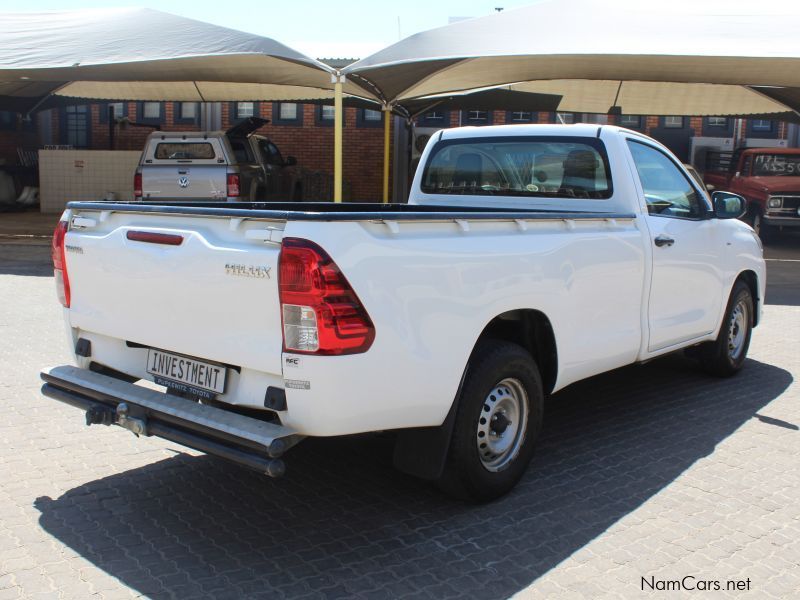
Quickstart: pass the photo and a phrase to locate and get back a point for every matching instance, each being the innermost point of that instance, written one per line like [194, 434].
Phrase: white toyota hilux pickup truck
[527, 258]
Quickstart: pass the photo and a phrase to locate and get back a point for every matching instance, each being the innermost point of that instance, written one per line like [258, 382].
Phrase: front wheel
[726, 355]
[763, 231]
[498, 419]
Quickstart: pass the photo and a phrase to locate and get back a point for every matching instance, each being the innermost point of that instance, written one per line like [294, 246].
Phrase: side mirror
[290, 161]
[728, 205]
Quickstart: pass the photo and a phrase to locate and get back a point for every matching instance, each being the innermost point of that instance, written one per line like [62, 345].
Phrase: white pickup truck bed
[427, 295]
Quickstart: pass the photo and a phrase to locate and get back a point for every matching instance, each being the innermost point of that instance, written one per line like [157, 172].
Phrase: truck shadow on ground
[342, 523]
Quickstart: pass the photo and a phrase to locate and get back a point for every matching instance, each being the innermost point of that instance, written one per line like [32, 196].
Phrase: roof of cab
[576, 130]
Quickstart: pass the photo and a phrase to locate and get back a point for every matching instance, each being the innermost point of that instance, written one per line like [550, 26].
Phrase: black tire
[494, 364]
[765, 232]
[723, 357]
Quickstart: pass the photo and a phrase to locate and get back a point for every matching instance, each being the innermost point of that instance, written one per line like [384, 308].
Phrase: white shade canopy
[712, 53]
[144, 54]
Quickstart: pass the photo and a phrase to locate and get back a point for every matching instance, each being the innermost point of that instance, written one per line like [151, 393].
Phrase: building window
[630, 121]
[717, 122]
[761, 125]
[186, 112]
[120, 110]
[287, 113]
[8, 119]
[673, 122]
[372, 115]
[325, 115]
[245, 110]
[519, 117]
[151, 110]
[434, 118]
[76, 126]
[369, 118]
[565, 118]
[189, 110]
[476, 117]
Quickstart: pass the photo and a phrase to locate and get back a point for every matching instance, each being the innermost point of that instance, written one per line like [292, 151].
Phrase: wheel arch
[422, 451]
[531, 329]
[750, 278]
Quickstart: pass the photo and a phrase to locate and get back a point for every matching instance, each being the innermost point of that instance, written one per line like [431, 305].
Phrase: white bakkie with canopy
[527, 258]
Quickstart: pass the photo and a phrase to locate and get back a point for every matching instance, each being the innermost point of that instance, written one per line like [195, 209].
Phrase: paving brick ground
[653, 471]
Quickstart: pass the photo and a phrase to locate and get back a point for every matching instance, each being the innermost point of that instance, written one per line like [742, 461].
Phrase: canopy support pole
[387, 123]
[337, 136]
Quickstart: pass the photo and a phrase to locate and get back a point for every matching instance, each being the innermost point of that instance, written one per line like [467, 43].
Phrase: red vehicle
[769, 178]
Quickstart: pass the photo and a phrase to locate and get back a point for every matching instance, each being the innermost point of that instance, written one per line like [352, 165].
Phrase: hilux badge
[257, 271]
[183, 182]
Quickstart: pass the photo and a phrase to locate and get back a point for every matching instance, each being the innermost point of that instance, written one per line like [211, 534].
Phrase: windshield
[567, 167]
[787, 165]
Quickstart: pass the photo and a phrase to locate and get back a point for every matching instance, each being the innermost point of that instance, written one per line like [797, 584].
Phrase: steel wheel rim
[502, 424]
[737, 329]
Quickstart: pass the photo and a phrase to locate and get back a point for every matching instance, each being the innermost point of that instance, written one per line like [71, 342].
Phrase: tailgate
[213, 296]
[184, 181]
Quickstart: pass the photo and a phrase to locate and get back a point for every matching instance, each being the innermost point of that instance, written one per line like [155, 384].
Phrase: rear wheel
[498, 420]
[726, 355]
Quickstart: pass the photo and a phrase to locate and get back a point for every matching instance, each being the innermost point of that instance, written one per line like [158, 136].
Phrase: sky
[321, 29]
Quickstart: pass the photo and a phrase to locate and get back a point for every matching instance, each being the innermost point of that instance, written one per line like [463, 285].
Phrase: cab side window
[667, 191]
[270, 152]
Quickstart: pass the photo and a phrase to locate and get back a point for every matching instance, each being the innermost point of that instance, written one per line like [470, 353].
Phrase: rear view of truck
[181, 306]
[186, 166]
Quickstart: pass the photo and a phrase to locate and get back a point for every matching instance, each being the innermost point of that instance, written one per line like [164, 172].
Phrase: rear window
[566, 167]
[184, 151]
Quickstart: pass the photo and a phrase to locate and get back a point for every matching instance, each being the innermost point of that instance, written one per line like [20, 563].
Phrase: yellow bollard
[387, 123]
[338, 119]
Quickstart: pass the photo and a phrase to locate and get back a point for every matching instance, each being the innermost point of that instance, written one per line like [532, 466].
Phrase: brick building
[301, 130]
[306, 132]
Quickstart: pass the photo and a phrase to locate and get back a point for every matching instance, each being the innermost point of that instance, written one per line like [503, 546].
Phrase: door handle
[663, 240]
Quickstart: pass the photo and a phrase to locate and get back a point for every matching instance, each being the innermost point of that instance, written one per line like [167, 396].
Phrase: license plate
[190, 372]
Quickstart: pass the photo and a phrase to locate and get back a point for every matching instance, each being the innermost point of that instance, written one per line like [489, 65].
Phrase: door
[686, 286]
[251, 173]
[75, 125]
[275, 184]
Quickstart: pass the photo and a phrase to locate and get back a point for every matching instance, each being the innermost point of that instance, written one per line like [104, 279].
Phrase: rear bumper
[109, 401]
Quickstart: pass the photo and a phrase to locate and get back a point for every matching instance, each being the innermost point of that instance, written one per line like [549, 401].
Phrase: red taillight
[233, 185]
[137, 185]
[60, 263]
[321, 312]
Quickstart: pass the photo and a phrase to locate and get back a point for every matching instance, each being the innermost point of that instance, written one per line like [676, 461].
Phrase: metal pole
[387, 123]
[337, 137]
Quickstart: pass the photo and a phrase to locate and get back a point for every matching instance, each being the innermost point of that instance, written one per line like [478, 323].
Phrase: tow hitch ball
[100, 415]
